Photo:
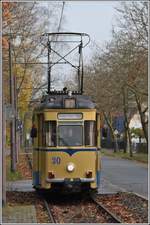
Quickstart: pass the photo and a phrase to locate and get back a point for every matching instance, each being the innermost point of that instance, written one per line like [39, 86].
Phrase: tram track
[139, 196]
[84, 209]
[50, 214]
[62, 209]
[115, 219]
[129, 207]
[110, 216]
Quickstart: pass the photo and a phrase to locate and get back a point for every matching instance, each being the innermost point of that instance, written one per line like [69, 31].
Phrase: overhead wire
[60, 23]
[54, 47]
[61, 16]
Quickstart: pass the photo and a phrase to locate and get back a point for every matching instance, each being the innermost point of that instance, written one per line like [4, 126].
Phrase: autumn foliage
[6, 15]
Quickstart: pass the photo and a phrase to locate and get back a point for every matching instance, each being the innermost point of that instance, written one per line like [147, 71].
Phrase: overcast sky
[92, 17]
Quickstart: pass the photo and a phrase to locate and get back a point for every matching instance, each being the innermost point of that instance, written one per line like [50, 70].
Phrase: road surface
[123, 175]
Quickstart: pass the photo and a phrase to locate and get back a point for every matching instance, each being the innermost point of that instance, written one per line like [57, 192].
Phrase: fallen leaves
[127, 206]
[23, 167]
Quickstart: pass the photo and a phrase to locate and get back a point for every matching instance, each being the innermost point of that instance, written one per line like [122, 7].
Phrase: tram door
[40, 143]
[98, 130]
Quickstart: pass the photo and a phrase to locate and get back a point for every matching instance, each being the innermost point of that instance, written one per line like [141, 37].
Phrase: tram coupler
[72, 184]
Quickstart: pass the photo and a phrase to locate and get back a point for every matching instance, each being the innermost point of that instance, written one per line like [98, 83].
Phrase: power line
[59, 25]
[51, 57]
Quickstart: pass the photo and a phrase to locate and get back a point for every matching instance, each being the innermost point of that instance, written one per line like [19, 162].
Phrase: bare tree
[122, 65]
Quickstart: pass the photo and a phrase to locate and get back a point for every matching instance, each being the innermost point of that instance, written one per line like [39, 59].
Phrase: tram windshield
[70, 135]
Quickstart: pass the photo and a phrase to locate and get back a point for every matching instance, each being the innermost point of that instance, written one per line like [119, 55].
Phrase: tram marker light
[89, 174]
[51, 175]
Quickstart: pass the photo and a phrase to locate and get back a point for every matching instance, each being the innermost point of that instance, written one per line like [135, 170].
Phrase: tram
[66, 137]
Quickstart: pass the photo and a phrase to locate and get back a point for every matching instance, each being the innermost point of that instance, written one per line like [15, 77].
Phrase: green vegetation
[137, 132]
[11, 176]
[140, 157]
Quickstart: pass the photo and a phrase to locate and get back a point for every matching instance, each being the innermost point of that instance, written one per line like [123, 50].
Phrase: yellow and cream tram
[66, 143]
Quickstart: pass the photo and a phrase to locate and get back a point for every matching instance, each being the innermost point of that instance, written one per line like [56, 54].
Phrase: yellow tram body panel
[84, 158]
[79, 159]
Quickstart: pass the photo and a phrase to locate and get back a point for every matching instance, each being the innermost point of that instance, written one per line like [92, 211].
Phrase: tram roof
[55, 101]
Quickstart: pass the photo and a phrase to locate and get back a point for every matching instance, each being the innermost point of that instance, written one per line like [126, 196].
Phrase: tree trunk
[142, 114]
[130, 143]
[111, 128]
[125, 140]
[126, 122]
[142, 117]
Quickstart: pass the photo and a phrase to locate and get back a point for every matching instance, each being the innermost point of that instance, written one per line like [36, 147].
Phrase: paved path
[123, 175]
[20, 185]
[19, 214]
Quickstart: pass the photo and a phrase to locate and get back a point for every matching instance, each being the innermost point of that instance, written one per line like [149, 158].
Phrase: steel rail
[51, 217]
[139, 195]
[101, 206]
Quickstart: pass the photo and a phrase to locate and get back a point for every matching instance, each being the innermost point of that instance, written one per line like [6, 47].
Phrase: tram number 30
[56, 160]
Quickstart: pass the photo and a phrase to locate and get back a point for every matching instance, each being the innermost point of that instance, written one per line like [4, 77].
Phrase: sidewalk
[20, 185]
[19, 214]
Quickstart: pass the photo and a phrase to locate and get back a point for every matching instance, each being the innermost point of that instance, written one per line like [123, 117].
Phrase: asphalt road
[123, 175]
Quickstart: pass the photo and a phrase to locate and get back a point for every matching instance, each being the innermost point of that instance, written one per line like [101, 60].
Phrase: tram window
[40, 129]
[50, 133]
[90, 133]
[70, 135]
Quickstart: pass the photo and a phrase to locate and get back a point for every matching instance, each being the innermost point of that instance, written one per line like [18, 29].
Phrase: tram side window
[40, 129]
[90, 133]
[50, 133]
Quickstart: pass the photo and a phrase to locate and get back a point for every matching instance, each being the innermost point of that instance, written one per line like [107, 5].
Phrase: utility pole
[3, 152]
[3, 140]
[49, 66]
[13, 120]
[16, 120]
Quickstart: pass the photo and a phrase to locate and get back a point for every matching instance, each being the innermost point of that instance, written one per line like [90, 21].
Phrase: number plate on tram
[56, 160]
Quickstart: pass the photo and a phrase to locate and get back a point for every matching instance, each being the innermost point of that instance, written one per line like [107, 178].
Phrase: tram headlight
[70, 167]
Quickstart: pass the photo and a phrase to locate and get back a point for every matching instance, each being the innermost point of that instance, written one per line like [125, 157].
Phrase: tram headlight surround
[70, 167]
